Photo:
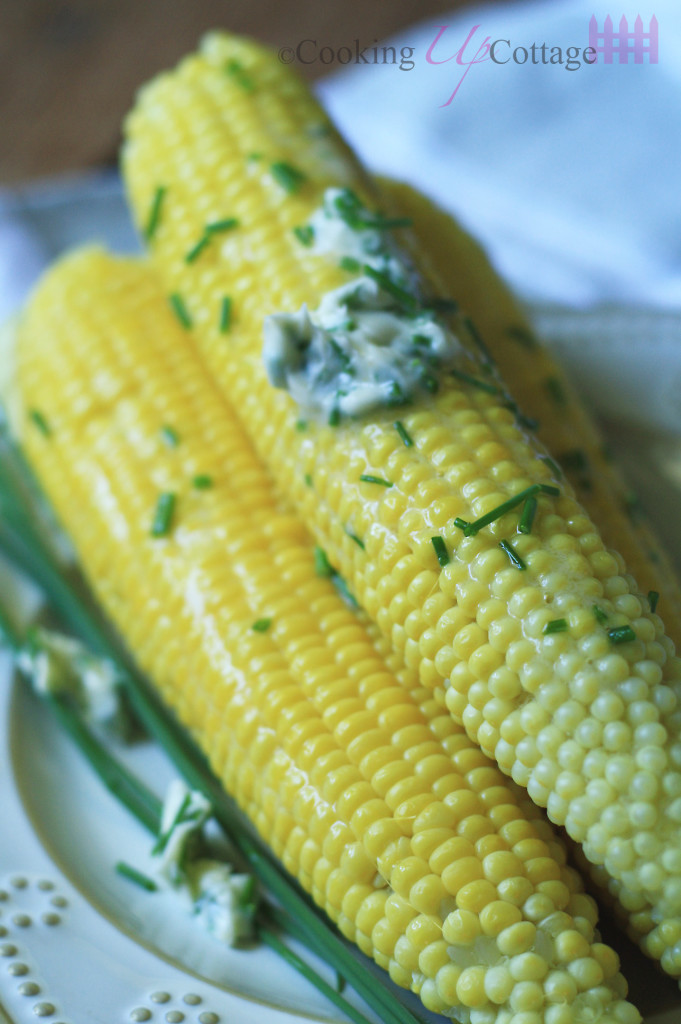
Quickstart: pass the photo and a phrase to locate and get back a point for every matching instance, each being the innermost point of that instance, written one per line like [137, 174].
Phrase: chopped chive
[556, 390]
[254, 156]
[397, 395]
[407, 440]
[170, 436]
[289, 177]
[225, 314]
[322, 564]
[202, 482]
[523, 336]
[41, 423]
[367, 478]
[621, 635]
[553, 466]
[521, 419]
[430, 383]
[477, 338]
[653, 598]
[461, 524]
[341, 586]
[217, 226]
[155, 213]
[599, 614]
[301, 426]
[334, 417]
[261, 625]
[133, 875]
[353, 536]
[308, 480]
[350, 264]
[305, 234]
[384, 281]
[555, 626]
[422, 340]
[575, 459]
[467, 378]
[163, 516]
[440, 550]
[471, 529]
[515, 558]
[180, 310]
[550, 489]
[197, 249]
[527, 515]
[235, 70]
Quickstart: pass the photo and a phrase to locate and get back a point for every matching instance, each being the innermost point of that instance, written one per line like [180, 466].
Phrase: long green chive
[40, 422]
[133, 875]
[483, 385]
[368, 478]
[440, 550]
[238, 74]
[350, 264]
[353, 536]
[477, 338]
[289, 177]
[170, 436]
[471, 529]
[516, 560]
[180, 310]
[599, 614]
[384, 281]
[406, 438]
[202, 482]
[527, 515]
[523, 336]
[621, 635]
[305, 234]
[555, 626]
[553, 466]
[556, 390]
[163, 516]
[261, 625]
[225, 315]
[197, 249]
[154, 218]
[217, 226]
[322, 564]
[653, 598]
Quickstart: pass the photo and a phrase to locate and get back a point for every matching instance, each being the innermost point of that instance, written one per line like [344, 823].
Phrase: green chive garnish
[235, 70]
[41, 423]
[322, 564]
[350, 264]
[261, 625]
[471, 529]
[197, 249]
[556, 390]
[180, 310]
[440, 550]
[653, 598]
[429, 383]
[308, 480]
[367, 478]
[385, 223]
[305, 234]
[553, 466]
[217, 226]
[621, 635]
[133, 875]
[170, 436]
[384, 281]
[555, 626]
[163, 516]
[155, 212]
[477, 338]
[334, 417]
[461, 524]
[301, 426]
[523, 336]
[516, 560]
[225, 315]
[289, 177]
[353, 536]
[527, 515]
[599, 614]
[483, 385]
[407, 440]
[202, 482]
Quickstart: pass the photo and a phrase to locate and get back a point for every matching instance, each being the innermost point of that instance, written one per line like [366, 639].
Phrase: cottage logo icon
[622, 43]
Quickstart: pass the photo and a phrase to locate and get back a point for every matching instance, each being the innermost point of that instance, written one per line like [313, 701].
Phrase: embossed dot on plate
[3, 895]
[140, 1013]
[191, 999]
[59, 901]
[208, 1018]
[175, 1017]
[21, 920]
[7, 949]
[18, 882]
[3, 931]
[17, 969]
[160, 997]
[45, 885]
[44, 1009]
[28, 988]
[51, 919]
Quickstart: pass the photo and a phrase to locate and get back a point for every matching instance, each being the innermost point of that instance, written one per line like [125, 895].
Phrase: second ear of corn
[371, 795]
[543, 645]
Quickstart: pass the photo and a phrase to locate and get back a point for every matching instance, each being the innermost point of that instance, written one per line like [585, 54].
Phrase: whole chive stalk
[163, 515]
[621, 635]
[368, 478]
[38, 419]
[261, 625]
[440, 550]
[527, 515]
[405, 436]
[154, 218]
[555, 626]
[169, 436]
[180, 310]
[513, 555]
[653, 598]
[475, 382]
[133, 875]
[289, 177]
[225, 321]
[386, 283]
[322, 564]
[305, 234]
[202, 482]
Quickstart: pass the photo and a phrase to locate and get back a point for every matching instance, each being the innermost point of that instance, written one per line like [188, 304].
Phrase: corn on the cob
[550, 656]
[366, 789]
[542, 390]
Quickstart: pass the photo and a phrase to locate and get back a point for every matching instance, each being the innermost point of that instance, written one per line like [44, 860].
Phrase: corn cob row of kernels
[588, 723]
[393, 820]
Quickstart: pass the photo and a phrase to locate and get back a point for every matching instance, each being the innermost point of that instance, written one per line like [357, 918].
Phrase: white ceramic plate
[81, 945]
